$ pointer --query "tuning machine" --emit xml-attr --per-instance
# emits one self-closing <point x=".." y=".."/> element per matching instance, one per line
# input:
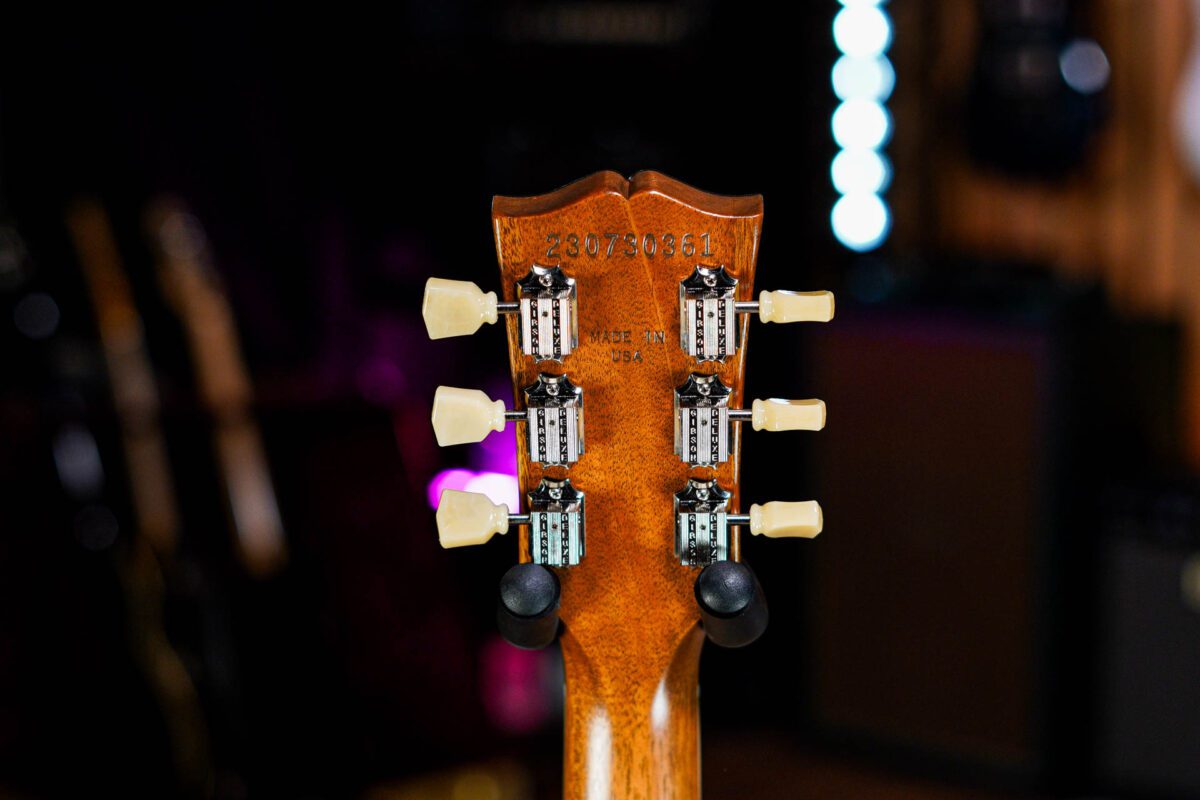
<point x="546" y="302"/>
<point x="704" y="420"/>
<point x="555" y="520"/>
<point x="553" y="418"/>
<point x="702" y="522"/>
<point x="708" y="310"/>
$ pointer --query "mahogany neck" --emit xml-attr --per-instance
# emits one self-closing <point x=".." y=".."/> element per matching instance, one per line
<point x="632" y="722"/>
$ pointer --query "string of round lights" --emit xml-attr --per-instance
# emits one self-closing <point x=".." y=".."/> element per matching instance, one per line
<point x="863" y="80"/>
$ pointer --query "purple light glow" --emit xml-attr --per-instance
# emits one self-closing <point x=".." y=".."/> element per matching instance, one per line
<point x="518" y="686"/>
<point x="447" y="479"/>
<point x="498" y="452"/>
<point x="498" y="486"/>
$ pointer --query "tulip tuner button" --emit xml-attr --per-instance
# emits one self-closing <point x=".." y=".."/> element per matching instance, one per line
<point x="703" y="419"/>
<point x="546" y="302"/>
<point x="708" y="309"/>
<point x="780" y="520"/>
<point x="553" y="418"/>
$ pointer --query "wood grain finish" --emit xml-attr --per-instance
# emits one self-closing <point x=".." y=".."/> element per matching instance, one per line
<point x="631" y="639"/>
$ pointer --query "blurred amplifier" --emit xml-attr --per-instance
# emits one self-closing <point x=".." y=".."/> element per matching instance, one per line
<point x="950" y="603"/>
<point x="1149" y="645"/>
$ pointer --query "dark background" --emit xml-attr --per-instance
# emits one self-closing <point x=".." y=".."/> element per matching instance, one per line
<point x="996" y="607"/>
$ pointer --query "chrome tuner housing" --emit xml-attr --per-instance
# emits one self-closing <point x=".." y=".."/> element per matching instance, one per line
<point x="554" y="420"/>
<point x="707" y="314"/>
<point x="549" y="314"/>
<point x="556" y="537"/>
<point x="701" y="524"/>
<point x="702" y="426"/>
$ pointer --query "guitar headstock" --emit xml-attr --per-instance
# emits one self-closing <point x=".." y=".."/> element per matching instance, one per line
<point x="628" y="307"/>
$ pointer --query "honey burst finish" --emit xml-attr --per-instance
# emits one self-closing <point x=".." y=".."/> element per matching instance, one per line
<point x="631" y="640"/>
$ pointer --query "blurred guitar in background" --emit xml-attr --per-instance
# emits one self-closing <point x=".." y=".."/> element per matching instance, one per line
<point x="193" y="289"/>
<point x="153" y="546"/>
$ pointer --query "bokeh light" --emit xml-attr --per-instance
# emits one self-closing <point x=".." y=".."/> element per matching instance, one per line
<point x="863" y="79"/>
<point x="861" y="170"/>
<point x="871" y="78"/>
<point x="862" y="30"/>
<point x="861" y="220"/>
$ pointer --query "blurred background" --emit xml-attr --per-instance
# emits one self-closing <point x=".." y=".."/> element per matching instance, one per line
<point x="219" y="574"/>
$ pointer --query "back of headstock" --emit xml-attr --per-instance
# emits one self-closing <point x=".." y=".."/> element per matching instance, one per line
<point x="628" y="306"/>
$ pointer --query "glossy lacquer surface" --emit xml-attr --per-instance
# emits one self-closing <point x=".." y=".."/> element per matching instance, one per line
<point x="631" y="640"/>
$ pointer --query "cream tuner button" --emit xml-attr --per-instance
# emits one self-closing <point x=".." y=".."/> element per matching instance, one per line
<point x="781" y="306"/>
<point x="456" y="308"/>
<point x="787" y="415"/>
<point x="469" y="518"/>
<point x="461" y="416"/>
<point x="786" y="520"/>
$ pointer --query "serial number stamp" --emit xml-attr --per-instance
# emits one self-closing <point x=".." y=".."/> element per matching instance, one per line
<point x="628" y="244"/>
